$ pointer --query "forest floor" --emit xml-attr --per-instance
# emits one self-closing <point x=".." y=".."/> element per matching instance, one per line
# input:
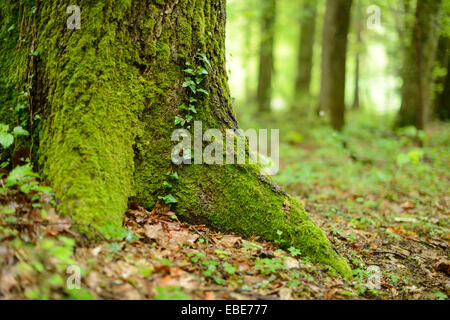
<point x="382" y="200"/>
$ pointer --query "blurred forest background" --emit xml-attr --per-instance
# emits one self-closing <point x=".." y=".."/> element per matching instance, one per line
<point x="360" y="92"/>
<point x="283" y="57"/>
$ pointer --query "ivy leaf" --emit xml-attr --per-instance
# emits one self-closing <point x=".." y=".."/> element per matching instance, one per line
<point x="4" y="128"/>
<point x="20" y="174"/>
<point x="190" y="71"/>
<point x="6" y="139"/>
<point x="20" y="106"/>
<point x="183" y="107"/>
<point x="168" y="199"/>
<point x="205" y="59"/>
<point x="191" y="84"/>
<point x="19" y="131"/>
<point x="179" y="120"/>
<point x="167" y="185"/>
<point x="189" y="118"/>
<point x="202" y="71"/>
<point x="203" y="91"/>
<point x="192" y="100"/>
<point x="192" y="108"/>
<point x="173" y="175"/>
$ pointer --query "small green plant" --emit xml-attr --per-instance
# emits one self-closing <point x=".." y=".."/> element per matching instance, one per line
<point x="266" y="265"/>
<point x="7" y="137"/>
<point x="168" y="199"/>
<point x="294" y="251"/>
<point x="439" y="295"/>
<point x="170" y="293"/>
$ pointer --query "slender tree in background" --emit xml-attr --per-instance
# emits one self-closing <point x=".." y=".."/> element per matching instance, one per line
<point x="107" y="95"/>
<point x="334" y="56"/>
<point x="247" y="47"/>
<point x="418" y="65"/>
<point x="358" y="27"/>
<point x="305" y="49"/>
<point x="266" y="55"/>
<point x="442" y="99"/>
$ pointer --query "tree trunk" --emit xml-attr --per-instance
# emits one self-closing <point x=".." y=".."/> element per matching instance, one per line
<point x="356" y="100"/>
<point x="334" y="53"/>
<point x="108" y="94"/>
<point x="306" y="49"/>
<point x="266" y="60"/>
<point x="247" y="52"/>
<point x="418" y="66"/>
<point x="442" y="102"/>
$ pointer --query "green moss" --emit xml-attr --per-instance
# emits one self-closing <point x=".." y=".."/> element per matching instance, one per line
<point x="229" y="198"/>
<point x="85" y="152"/>
<point x="234" y="198"/>
<point x="110" y="94"/>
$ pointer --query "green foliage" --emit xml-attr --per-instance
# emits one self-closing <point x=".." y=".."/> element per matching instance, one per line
<point x="168" y="199"/>
<point x="170" y="293"/>
<point x="266" y="265"/>
<point x="7" y="137"/>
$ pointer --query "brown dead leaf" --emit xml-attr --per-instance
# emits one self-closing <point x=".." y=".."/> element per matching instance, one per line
<point x="162" y="269"/>
<point x="285" y="294"/>
<point x="183" y="236"/>
<point x="7" y="281"/>
<point x="292" y="263"/>
<point x="160" y="208"/>
<point x="154" y="232"/>
<point x="330" y="294"/>
<point x="229" y="241"/>
<point x="444" y="266"/>
<point x="407" y="205"/>
<point x="126" y="292"/>
<point x="402" y="232"/>
<point x="210" y="296"/>
<point x="58" y="226"/>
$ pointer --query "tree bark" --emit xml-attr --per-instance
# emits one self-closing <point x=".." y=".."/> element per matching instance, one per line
<point x="442" y="102"/>
<point x="108" y="94"/>
<point x="418" y="66"/>
<point x="356" y="96"/>
<point x="266" y="58"/>
<point x="306" y="49"/>
<point x="334" y="53"/>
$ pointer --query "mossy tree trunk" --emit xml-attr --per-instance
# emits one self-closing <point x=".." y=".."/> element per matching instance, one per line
<point x="334" y="56"/>
<point x="108" y="94"/>
<point x="266" y="55"/>
<point x="305" y="50"/>
<point x="418" y="65"/>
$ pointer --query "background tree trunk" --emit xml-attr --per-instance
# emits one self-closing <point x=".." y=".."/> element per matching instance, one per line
<point x="334" y="52"/>
<point x="442" y="102"/>
<point x="108" y="95"/>
<point x="305" y="49"/>
<point x="266" y="59"/>
<point x="418" y="65"/>
<point x="356" y="95"/>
